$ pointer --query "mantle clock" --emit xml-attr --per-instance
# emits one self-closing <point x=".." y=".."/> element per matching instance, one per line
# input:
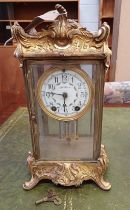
<point x="64" y="68"/>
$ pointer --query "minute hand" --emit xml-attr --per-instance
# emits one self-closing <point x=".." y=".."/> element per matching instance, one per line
<point x="64" y="97"/>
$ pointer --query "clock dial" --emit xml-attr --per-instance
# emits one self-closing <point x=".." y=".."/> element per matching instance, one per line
<point x="64" y="94"/>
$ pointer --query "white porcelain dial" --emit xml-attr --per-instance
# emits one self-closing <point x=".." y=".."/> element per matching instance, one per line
<point x="64" y="93"/>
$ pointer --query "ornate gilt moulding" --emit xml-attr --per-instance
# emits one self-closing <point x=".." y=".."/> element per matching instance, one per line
<point x="64" y="38"/>
<point x="68" y="173"/>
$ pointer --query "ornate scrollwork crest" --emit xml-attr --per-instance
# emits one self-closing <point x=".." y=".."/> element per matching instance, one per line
<point x="64" y="37"/>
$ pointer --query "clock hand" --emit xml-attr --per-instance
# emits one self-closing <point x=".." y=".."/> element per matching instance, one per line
<point x="64" y="104"/>
<point x="55" y="93"/>
<point x="64" y="97"/>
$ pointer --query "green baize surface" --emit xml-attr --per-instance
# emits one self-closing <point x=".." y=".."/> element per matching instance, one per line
<point x="15" y="142"/>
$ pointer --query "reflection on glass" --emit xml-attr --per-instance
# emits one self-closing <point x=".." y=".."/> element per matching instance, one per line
<point x="60" y="140"/>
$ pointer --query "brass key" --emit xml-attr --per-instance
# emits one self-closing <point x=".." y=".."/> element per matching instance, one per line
<point x="51" y="197"/>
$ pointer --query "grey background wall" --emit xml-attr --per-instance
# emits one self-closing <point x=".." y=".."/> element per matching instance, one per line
<point x="89" y="14"/>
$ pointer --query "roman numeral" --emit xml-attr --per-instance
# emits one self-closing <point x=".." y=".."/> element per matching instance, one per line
<point x="51" y="86"/>
<point x="56" y="79"/>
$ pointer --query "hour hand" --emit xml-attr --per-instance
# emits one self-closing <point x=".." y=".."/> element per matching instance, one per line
<point x="58" y="94"/>
<point x="55" y="93"/>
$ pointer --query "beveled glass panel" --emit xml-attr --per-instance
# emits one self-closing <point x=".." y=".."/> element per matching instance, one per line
<point x="73" y="140"/>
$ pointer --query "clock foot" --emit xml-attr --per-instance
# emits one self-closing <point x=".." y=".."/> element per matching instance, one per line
<point x="30" y="184"/>
<point x="34" y="180"/>
<point x="103" y="184"/>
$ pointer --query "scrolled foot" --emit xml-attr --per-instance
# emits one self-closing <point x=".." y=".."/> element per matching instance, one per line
<point x="103" y="184"/>
<point x="31" y="184"/>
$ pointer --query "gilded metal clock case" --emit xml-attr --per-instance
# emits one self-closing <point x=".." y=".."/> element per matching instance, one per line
<point x="64" y="40"/>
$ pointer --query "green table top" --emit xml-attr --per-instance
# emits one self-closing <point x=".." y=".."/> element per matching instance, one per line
<point x="15" y="142"/>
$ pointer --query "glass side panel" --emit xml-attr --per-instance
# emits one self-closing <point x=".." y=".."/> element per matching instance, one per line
<point x="60" y="140"/>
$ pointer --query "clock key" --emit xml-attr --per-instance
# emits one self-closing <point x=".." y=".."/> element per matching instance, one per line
<point x="50" y="197"/>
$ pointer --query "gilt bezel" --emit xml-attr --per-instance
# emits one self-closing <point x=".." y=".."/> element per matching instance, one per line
<point x="53" y="69"/>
